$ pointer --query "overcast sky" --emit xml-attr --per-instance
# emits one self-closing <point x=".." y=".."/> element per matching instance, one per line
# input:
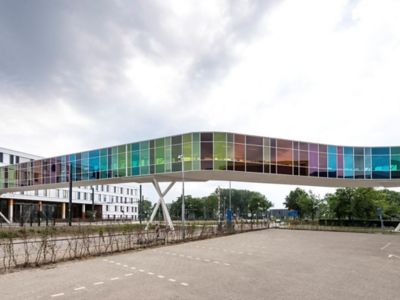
<point x="78" y="75"/>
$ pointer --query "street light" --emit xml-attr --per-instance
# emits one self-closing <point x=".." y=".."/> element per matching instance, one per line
<point x="180" y="157"/>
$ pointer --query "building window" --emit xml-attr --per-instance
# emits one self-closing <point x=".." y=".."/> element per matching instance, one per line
<point x="11" y="159"/>
<point x="1" y="157"/>
<point x="107" y="207"/>
<point x="17" y="159"/>
<point x="115" y="189"/>
<point x="79" y="196"/>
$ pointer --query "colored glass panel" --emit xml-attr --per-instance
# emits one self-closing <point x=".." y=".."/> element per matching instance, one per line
<point x="348" y="161"/>
<point x="332" y="161"/>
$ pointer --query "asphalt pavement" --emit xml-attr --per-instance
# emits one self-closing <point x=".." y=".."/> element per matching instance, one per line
<point x="267" y="264"/>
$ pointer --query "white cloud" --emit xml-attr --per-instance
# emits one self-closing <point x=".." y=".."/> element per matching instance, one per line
<point x="320" y="71"/>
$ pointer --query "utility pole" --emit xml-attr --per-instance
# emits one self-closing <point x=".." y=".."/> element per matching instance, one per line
<point x="70" y="196"/>
<point x="92" y="196"/>
<point x="183" y="195"/>
<point x="219" y="208"/>
<point x="140" y="204"/>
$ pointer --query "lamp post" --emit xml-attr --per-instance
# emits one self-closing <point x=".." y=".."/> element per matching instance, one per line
<point x="183" y="195"/>
<point x="92" y="196"/>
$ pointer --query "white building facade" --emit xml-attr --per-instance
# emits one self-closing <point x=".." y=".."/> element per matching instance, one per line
<point x="110" y="202"/>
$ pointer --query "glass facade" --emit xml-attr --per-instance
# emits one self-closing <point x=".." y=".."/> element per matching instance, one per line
<point x="218" y="151"/>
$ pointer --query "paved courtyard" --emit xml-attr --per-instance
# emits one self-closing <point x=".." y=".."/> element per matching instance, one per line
<point x="268" y="264"/>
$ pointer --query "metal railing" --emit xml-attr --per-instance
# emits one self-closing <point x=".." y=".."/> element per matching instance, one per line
<point x="47" y="248"/>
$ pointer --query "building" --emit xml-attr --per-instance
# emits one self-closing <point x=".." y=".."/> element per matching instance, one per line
<point x="203" y="156"/>
<point x="110" y="201"/>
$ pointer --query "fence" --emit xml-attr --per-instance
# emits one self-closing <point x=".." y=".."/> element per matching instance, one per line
<point x="28" y="252"/>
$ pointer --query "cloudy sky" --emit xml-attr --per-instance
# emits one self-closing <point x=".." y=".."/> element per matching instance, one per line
<point x="77" y="75"/>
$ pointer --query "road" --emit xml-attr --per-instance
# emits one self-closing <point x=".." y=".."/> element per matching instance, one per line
<point x="279" y="264"/>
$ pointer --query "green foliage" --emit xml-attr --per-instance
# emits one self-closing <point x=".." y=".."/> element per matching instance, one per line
<point x="206" y="208"/>
<point x="345" y="204"/>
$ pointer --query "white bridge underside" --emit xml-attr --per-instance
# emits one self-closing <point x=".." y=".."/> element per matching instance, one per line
<point x="204" y="175"/>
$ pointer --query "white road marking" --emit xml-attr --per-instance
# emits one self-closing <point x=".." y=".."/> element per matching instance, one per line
<point x="392" y="255"/>
<point x="387" y="245"/>
<point x="197" y="258"/>
<point x="79" y="288"/>
<point x="57" y="295"/>
<point x="150" y="273"/>
<point x="172" y="280"/>
<point x="160" y="276"/>
<point x="181" y="255"/>
<point x="216" y="262"/>
<point x="105" y="259"/>
<point x="125" y="266"/>
<point x="184" y="284"/>
<point x="206" y="260"/>
<point x="111" y="261"/>
<point x="141" y="270"/>
<point x="133" y="268"/>
<point x="98" y="283"/>
<point x="129" y="274"/>
<point x="114" y="278"/>
<point x="226" y="264"/>
<point x="118" y="264"/>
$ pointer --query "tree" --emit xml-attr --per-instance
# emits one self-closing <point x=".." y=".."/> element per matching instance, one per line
<point x="146" y="209"/>
<point x="258" y="203"/>
<point x="300" y="201"/>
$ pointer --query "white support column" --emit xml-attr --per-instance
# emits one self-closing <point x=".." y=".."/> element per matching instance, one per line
<point x="161" y="203"/>
<point x="63" y="210"/>
<point x="11" y="210"/>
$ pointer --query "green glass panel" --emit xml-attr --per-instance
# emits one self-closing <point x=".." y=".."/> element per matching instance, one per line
<point x="176" y="152"/>
<point x="159" y="143"/>
<point x="167" y="162"/>
<point x="395" y="163"/>
<point x="187" y="138"/>
<point x="395" y="150"/>
<point x="144" y="145"/>
<point x="160" y="169"/>
<point x="196" y="165"/>
<point x="167" y="142"/>
<point x="220" y="149"/>
<point x="128" y="159"/>
<point x="230" y="137"/>
<point x="135" y="159"/>
<point x="219" y="137"/>
<point x="219" y="165"/>
<point x="187" y="152"/>
<point x="160" y="155"/>
<point x="122" y="161"/>
<point x="196" y="137"/>
<point x="144" y="170"/>
<point x="144" y="156"/>
<point x="114" y="161"/>
<point x="85" y="165"/>
<point x="196" y="151"/>
<point x="187" y="166"/>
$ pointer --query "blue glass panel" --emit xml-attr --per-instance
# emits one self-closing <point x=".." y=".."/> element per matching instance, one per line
<point x="332" y="161"/>
<point x="94" y="166"/>
<point x="85" y="166"/>
<point x="380" y="151"/>
<point x="367" y="163"/>
<point x="135" y="147"/>
<point x="348" y="162"/>
<point x="380" y="166"/>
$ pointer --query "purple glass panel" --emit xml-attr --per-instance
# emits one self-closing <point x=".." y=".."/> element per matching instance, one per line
<point x="254" y="140"/>
<point x="313" y="163"/>
<point x="322" y="148"/>
<point x="314" y="147"/>
<point x="340" y="162"/>
<point x="284" y="144"/>
<point x="304" y="147"/>
<point x="239" y="138"/>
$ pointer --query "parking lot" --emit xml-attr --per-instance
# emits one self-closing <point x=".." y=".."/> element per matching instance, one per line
<point x="275" y="263"/>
